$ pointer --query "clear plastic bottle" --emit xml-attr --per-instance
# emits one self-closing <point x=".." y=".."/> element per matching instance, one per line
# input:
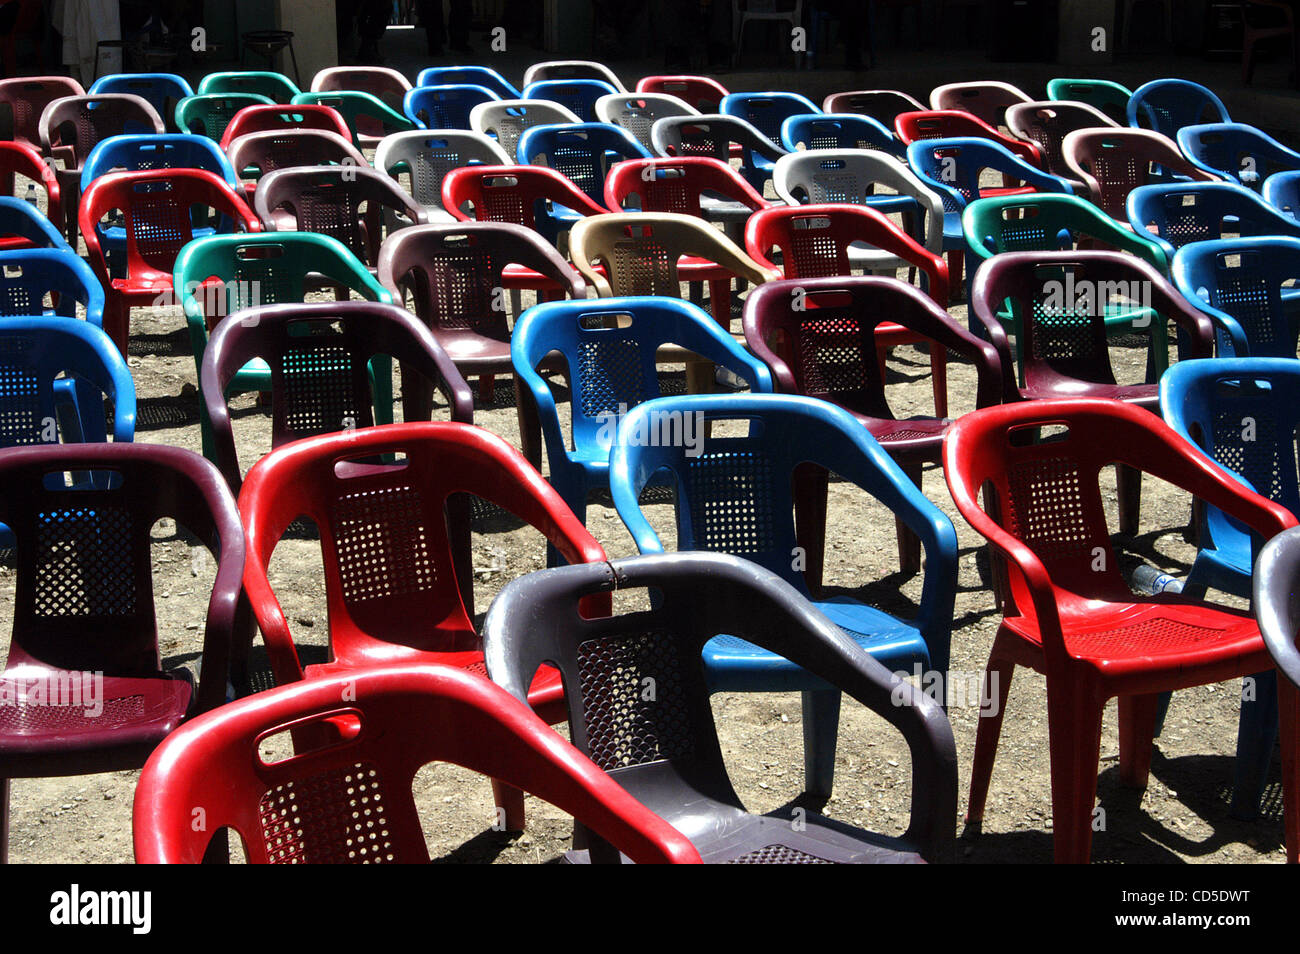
<point x="1150" y="580"/>
<point x="31" y="194"/>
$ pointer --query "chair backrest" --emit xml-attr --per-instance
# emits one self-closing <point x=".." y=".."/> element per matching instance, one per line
<point x="31" y="276"/>
<point x="1114" y="162"/>
<point x="399" y="720"/>
<point x="1243" y="414"/>
<point x="427" y="156"/>
<point x="275" y="117"/>
<point x="638" y="252"/>
<point x="713" y="136"/>
<point x="815" y="241"/>
<point x="987" y="100"/>
<point x="21" y="159"/>
<point x="582" y="153"/>
<point x="210" y="114"/>
<point x="1243" y="284"/>
<point x="84" y="593"/>
<point x="445" y="107"/>
<point x="1107" y="97"/>
<point x="505" y="121"/>
<point x="820" y="341"/>
<point x="156" y="208"/>
<point x="168" y="151"/>
<point x="699" y="92"/>
<point x="1167" y="105"/>
<point x="81" y="122"/>
<point x="767" y="111"/>
<point x="637" y="112"/>
<point x="609" y="347"/>
<point x="675" y="185"/>
<point x="1061" y="300"/>
<point x="255" y="154"/>
<point x="521" y="195"/>
<point x="24" y="99"/>
<point x="573" y="70"/>
<point x="475" y="75"/>
<point x="162" y="90"/>
<point x="318" y="355"/>
<point x="1177" y="214"/>
<point x="274" y="86"/>
<point x="882" y="105"/>
<point x="366" y="115"/>
<point x="20" y="219"/>
<point x="1236" y="152"/>
<point x="1047" y="124"/>
<point x="1282" y="191"/>
<point x="386" y="548"/>
<point x="350" y="204"/>
<point x="838" y="131"/>
<point x="36" y="352"/>
<point x="952" y="123"/>
<point x="953" y="168"/>
<point x="454" y="273"/>
<point x="850" y="176"/>
<point x="1274" y="584"/>
<point x="579" y="96"/>
<point x="388" y="85"/>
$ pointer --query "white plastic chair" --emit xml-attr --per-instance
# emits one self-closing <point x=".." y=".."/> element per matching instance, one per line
<point x="572" y="69"/>
<point x="428" y="155"/>
<point x="637" y="112"/>
<point x="506" y="120"/>
<point x="988" y="100"/>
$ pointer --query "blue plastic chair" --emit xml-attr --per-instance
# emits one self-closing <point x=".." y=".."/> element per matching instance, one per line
<point x="577" y="95"/>
<point x="952" y="167"/>
<point x="839" y="131"/>
<point x="1282" y="191"/>
<point x="581" y="152"/>
<point x="1242" y="413"/>
<point x="1240" y="284"/>
<point x="1237" y="152"/>
<point x="1178" y="213"/>
<point x="735" y="495"/>
<point x="766" y="111"/>
<point x="611" y="369"/>
<point x="162" y="90"/>
<point x="28" y="275"/>
<point x="19" y="217"/>
<point x="445" y="107"/>
<point x="475" y="75"/>
<point x="1167" y="105"/>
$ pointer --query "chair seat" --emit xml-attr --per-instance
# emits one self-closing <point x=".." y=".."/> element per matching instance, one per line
<point x="1142" y="395"/>
<point x="914" y="438"/>
<point x="724" y="210"/>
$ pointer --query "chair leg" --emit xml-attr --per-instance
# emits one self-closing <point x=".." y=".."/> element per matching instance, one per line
<point x="530" y="427"/>
<point x="486" y="387"/>
<point x="821" y="725"/>
<point x="810" y="488"/>
<point x="909" y="544"/>
<point x="939" y="378"/>
<point x="1256" y="733"/>
<point x="510" y="805"/>
<point x="1288" y="722"/>
<point x="1074" y="730"/>
<point x="4" y="821"/>
<point x="1128" y="486"/>
<point x="997" y="687"/>
<point x="1137" y="719"/>
<point x="956" y="268"/>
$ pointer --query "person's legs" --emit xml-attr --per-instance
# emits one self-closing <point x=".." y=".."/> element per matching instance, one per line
<point x="372" y="20"/>
<point x="458" y="26"/>
<point x="430" y="13"/>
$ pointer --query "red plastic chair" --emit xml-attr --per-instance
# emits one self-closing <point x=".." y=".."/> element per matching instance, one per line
<point x="1070" y="615"/>
<point x="84" y="607"/>
<point x="16" y="158"/>
<point x="393" y="580"/>
<point x="814" y="241"/>
<point x="693" y="185"/>
<point x="948" y="123"/>
<point x="814" y="334"/>
<point x="277" y="118"/>
<point x="351" y="802"/>
<point x="25" y="98"/>
<point x="699" y="91"/>
<point x="156" y="206"/>
<point x="514" y="194"/>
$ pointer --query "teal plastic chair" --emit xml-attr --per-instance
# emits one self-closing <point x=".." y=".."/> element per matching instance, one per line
<point x="274" y="86"/>
<point x="369" y="117"/>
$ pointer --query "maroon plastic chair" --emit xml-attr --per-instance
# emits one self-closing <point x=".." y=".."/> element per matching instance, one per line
<point x="1063" y="345"/>
<point x="25" y="98"/>
<point x="880" y="104"/>
<point x="387" y="85"/>
<point x="256" y="154"/>
<point x="72" y="126"/>
<point x="395" y="721"/>
<point x="319" y="354"/>
<point x="353" y="204"/>
<point x="818" y="336"/>
<point x="988" y="100"/>
<point x="455" y="274"/>
<point x="1047" y="123"/>
<point x="17" y="158"/>
<point x="278" y="118"/>
<point x="700" y="92"/>
<point x="949" y="123"/>
<point x="84" y="609"/>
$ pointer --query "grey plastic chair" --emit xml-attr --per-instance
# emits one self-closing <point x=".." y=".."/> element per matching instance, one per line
<point x="427" y="155"/>
<point x="1048" y="122"/>
<point x="506" y="120"/>
<point x="663" y="748"/>
<point x="712" y="135"/>
<point x="637" y="112"/>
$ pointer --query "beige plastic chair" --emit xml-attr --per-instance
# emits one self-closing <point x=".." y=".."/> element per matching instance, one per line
<point x="505" y="120"/>
<point x="1114" y="162"/>
<point x="639" y="253"/>
<point x="987" y="100"/>
<point x="388" y="85"/>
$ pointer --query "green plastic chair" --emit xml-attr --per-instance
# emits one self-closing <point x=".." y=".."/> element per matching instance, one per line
<point x="1048" y="222"/>
<point x="266" y="269"/>
<point x="274" y="86"/>
<point x="1111" y="98"/>
<point x="210" y="113"/>
<point x="369" y="117"/>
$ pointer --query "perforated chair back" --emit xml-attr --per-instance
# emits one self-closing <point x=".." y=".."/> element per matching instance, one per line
<point x="691" y="186"/>
<point x="521" y="195"/>
<point x="573" y="70"/>
<point x="1048" y="123"/>
<point x="209" y="115"/>
<point x="426" y="158"/>
<point x="445" y="107"/>
<point x="1236" y="152"/>
<point x="279" y="118"/>
<point x="162" y="90"/>
<point x="24" y="99"/>
<point x="1182" y="213"/>
<point x="882" y="105"/>
<point x="30" y="277"/>
<point x="1167" y="105"/>
<point x="473" y="75"/>
<point x="1114" y="162"/>
<point x="90" y="120"/>
<point x="637" y="112"/>
<point x="838" y="131"/>
<point x="699" y="92"/>
<point x="767" y="111"/>
<point x="579" y="96"/>
<point x="386" y="84"/>
<point x="582" y="153"/>
<point x="987" y="100"/>
<point x="255" y="154"/>
<point x="952" y="123"/>
<point x="952" y="168"/>
<point x="274" y="86"/>
<point x="369" y="117"/>
<point x="1105" y="96"/>
<point x="713" y="137"/>
<point x="167" y="151"/>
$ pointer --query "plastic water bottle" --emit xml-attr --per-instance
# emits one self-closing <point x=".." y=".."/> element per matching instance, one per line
<point x="31" y="194"/>
<point x="1150" y="580"/>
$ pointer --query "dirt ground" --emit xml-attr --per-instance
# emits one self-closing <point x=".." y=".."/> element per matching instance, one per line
<point x="1182" y="815"/>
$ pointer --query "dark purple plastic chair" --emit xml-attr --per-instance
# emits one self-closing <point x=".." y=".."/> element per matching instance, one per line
<point x="84" y="605"/>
